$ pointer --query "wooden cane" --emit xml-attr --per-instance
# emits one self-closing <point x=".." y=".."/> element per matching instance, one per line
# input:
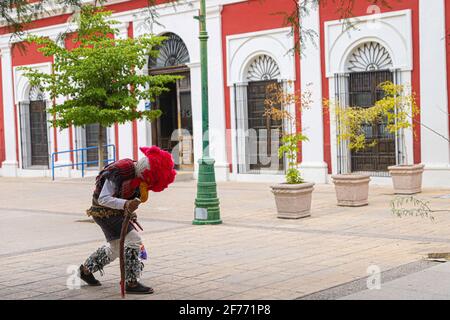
<point x="123" y="234"/>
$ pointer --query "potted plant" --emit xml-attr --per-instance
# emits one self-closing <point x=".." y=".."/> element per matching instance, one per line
<point x="293" y="197"/>
<point x="400" y="107"/>
<point x="352" y="189"/>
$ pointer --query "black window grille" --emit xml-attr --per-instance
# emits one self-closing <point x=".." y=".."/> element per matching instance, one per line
<point x="362" y="89"/>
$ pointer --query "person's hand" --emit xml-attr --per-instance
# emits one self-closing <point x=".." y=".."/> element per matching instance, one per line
<point x="132" y="205"/>
<point x="133" y="216"/>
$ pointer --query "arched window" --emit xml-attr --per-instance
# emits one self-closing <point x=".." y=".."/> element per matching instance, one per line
<point x="36" y="94"/>
<point x="172" y="53"/>
<point x="263" y="68"/>
<point x="34" y="129"/>
<point x="369" y="65"/>
<point x="370" y="56"/>
<point x="258" y="147"/>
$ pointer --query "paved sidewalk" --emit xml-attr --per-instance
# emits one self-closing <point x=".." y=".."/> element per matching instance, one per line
<point x="252" y="255"/>
<point x="430" y="284"/>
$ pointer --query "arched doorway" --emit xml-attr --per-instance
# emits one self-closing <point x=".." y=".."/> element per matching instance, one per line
<point x="34" y="130"/>
<point x="369" y="65"/>
<point x="258" y="136"/>
<point x="173" y="131"/>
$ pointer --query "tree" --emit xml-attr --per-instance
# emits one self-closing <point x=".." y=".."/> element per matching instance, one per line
<point x="276" y="107"/>
<point x="98" y="77"/>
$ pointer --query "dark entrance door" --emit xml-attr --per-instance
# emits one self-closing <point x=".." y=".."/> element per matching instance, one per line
<point x="176" y="115"/>
<point x="38" y="134"/>
<point x="92" y="131"/>
<point x="167" y="122"/>
<point x="364" y="91"/>
<point x="262" y="149"/>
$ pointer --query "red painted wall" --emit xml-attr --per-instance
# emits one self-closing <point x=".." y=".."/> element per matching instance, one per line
<point x="329" y="12"/>
<point x="119" y="7"/>
<point x="252" y="16"/>
<point x="26" y="54"/>
<point x="2" y="123"/>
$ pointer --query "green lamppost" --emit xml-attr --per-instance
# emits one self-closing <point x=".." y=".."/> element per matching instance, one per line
<point x="207" y="209"/>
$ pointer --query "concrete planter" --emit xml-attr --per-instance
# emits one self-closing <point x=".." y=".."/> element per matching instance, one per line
<point x="293" y="200"/>
<point x="352" y="190"/>
<point x="407" y="179"/>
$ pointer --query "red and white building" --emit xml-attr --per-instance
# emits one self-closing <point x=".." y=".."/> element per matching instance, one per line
<point x="250" y="47"/>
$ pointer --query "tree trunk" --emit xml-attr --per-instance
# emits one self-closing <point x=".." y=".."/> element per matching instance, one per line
<point x="101" y="149"/>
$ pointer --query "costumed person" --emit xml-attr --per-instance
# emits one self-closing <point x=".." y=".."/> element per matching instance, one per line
<point x="119" y="189"/>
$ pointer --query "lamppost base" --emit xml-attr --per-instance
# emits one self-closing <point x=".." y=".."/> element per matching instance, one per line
<point x="206" y="222"/>
<point x="207" y="210"/>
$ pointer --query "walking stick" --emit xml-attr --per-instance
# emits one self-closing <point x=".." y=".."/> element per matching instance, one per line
<point x="123" y="234"/>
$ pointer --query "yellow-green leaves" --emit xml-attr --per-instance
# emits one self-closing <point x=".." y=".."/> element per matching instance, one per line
<point x="397" y="109"/>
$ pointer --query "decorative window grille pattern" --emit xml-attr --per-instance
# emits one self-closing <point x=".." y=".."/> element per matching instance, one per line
<point x="173" y="52"/>
<point x="370" y="56"/>
<point x="36" y="94"/>
<point x="263" y="68"/>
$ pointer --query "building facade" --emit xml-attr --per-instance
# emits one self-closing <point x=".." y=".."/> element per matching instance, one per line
<point x="250" y="48"/>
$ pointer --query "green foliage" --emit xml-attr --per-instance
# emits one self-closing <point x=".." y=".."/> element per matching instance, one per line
<point x="397" y="109"/>
<point x="290" y="148"/>
<point x="98" y="77"/>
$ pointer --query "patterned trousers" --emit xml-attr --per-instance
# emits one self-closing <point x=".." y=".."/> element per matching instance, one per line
<point x="111" y="251"/>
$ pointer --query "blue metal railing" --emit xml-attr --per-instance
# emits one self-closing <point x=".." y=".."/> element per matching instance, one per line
<point x="83" y="163"/>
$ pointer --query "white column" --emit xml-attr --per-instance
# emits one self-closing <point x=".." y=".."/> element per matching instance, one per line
<point x="196" y="100"/>
<point x="144" y="130"/>
<point x="144" y="137"/>
<point x="433" y="95"/>
<point x="313" y="166"/>
<point x="217" y="125"/>
<point x="9" y="166"/>
<point x="125" y="130"/>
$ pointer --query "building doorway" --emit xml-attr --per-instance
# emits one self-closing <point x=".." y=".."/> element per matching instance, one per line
<point x="258" y="137"/>
<point x="38" y="133"/>
<point x="34" y="130"/>
<point x="266" y="131"/>
<point x="173" y="131"/>
<point x="364" y="91"/>
<point x="368" y="66"/>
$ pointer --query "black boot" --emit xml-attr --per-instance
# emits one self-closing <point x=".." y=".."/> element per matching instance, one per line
<point x="137" y="288"/>
<point x="89" y="278"/>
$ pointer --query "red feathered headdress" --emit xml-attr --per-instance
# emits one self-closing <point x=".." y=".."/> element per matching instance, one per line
<point x="161" y="172"/>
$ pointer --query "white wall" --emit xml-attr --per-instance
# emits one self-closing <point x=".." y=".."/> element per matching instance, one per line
<point x="433" y="97"/>
<point x="9" y="166"/>
<point x="313" y="166"/>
